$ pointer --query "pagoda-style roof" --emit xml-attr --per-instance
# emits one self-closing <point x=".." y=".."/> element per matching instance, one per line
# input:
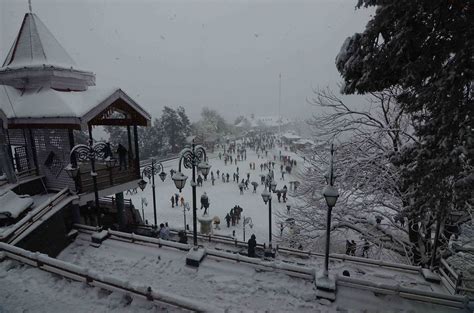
<point x="37" y="59"/>
<point x="41" y="87"/>
<point x="49" y="108"/>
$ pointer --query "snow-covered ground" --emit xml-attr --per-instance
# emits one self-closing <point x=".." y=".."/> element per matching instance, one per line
<point x="222" y="196"/>
<point x="26" y="289"/>
<point x="226" y="285"/>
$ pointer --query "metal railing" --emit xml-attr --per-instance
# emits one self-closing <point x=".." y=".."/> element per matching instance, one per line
<point x="453" y="281"/>
<point x="91" y="277"/>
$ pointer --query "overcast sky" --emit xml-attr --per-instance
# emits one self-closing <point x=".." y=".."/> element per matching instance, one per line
<point x="226" y="55"/>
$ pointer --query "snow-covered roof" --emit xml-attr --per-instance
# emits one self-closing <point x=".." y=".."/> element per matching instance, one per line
<point x="13" y="205"/>
<point x="304" y="142"/>
<point x="265" y="121"/>
<point x="36" y="45"/>
<point x="290" y="136"/>
<point x="36" y="58"/>
<point x="49" y="106"/>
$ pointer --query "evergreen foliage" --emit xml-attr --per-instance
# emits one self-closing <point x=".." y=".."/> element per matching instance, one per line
<point x="425" y="48"/>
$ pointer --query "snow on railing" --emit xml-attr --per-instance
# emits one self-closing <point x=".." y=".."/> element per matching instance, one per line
<point x="404" y="292"/>
<point x="92" y="277"/>
<point x="308" y="272"/>
<point x="33" y="216"/>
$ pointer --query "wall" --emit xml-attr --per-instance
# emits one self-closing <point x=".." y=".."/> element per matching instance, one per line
<point x="50" y="237"/>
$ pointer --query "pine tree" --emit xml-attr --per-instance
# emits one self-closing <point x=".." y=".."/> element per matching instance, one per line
<point x="425" y="48"/>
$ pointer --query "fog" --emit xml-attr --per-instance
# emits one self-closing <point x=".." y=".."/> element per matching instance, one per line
<point x="226" y="55"/>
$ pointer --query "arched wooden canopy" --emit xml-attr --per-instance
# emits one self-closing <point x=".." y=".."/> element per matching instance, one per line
<point x="72" y="110"/>
<point x="118" y="110"/>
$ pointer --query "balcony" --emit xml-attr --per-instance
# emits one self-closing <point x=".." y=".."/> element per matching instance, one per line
<point x="106" y="177"/>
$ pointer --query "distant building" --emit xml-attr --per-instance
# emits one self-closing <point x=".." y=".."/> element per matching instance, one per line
<point x="264" y="123"/>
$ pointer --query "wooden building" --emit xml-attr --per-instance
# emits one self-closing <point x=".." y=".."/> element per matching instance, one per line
<point x="48" y="105"/>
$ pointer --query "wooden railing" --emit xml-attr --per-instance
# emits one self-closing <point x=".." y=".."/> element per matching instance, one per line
<point x="106" y="177"/>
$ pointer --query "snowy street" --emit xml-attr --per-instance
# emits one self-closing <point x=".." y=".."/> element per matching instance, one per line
<point x="222" y="196"/>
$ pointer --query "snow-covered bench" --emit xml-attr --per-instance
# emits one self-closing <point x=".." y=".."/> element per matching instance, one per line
<point x="12" y="205"/>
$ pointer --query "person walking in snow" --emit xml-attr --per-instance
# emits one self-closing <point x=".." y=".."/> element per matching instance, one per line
<point x="227" y="219"/>
<point x="227" y="176"/>
<point x="176" y="199"/>
<point x="204" y="202"/>
<point x="365" y="249"/>
<point x="164" y="232"/>
<point x="232" y="216"/>
<point x="278" y="192"/>
<point x="252" y="243"/>
<point x="122" y="153"/>
<point x="172" y="201"/>
<point x="199" y="181"/>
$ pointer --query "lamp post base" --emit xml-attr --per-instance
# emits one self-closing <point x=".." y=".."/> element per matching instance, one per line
<point x="195" y="256"/>
<point x="430" y="276"/>
<point x="325" y="286"/>
<point x="269" y="253"/>
<point x="206" y="224"/>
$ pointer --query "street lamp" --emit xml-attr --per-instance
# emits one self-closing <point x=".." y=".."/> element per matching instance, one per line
<point x="149" y="171"/>
<point x="247" y="221"/>
<point x="330" y="194"/>
<point x="89" y="152"/>
<point x="192" y="158"/>
<point x="267" y="198"/>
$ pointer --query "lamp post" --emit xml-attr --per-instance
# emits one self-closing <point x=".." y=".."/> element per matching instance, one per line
<point x="89" y="152"/>
<point x="149" y="171"/>
<point x="192" y="158"/>
<point x="330" y="194"/>
<point x="267" y="198"/>
<point x="247" y="221"/>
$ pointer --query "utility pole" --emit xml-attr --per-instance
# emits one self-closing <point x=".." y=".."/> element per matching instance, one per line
<point x="279" y="106"/>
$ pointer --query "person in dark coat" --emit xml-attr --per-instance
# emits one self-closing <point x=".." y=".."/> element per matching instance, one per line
<point x="199" y="180"/>
<point x="252" y="243"/>
<point x="204" y="202"/>
<point x="172" y="201"/>
<point x="122" y="153"/>
<point x="278" y="192"/>
<point x="227" y="219"/>
<point x="182" y="237"/>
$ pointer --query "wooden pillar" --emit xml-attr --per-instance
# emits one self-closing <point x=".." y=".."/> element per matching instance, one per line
<point x="33" y="151"/>
<point x="120" y="205"/>
<point x="77" y="179"/>
<point x="130" y="149"/>
<point x="137" y="155"/>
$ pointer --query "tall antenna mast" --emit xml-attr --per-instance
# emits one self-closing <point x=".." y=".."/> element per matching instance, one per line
<point x="279" y="106"/>
<point x="29" y="6"/>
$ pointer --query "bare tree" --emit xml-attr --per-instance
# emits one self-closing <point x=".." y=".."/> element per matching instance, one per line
<point x="371" y="202"/>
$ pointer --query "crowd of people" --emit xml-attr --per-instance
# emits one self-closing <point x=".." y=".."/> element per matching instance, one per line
<point x="235" y="153"/>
